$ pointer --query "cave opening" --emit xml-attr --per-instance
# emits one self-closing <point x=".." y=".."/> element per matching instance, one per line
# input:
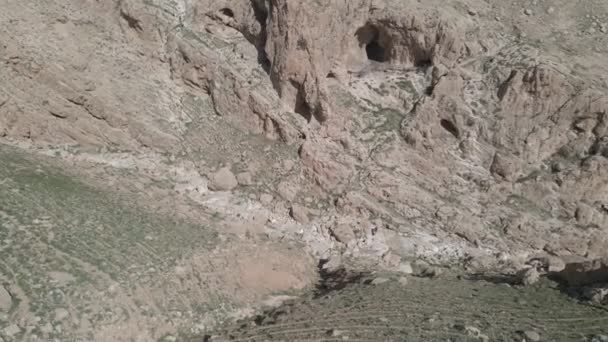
<point x="370" y="37"/>
<point x="301" y="106"/>
<point x="227" y="12"/>
<point x="375" y="52"/>
<point x="261" y="15"/>
<point x="423" y="63"/>
<point x="450" y="127"/>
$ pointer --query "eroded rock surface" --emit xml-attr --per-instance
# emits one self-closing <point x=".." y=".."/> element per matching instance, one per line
<point x="376" y="130"/>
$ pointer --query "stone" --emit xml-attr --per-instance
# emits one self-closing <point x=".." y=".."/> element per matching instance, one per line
<point x="473" y="332"/>
<point x="531" y="336"/>
<point x="600" y="338"/>
<point x="6" y="300"/>
<point x="287" y="191"/>
<point x="547" y="264"/>
<point x="12" y="330"/>
<point x="299" y="213"/>
<point x="333" y="263"/>
<point x="431" y="272"/>
<point x="584" y="214"/>
<point x="391" y="259"/>
<point x="223" y="180"/>
<point x="245" y="178"/>
<point x="61" y="314"/>
<point x="335" y="332"/>
<point x="403" y="281"/>
<point x="528" y="276"/>
<point x="504" y="166"/>
<point x="405" y="267"/>
<point x="266" y="199"/>
<point x="46" y="328"/>
<point x="343" y="233"/>
<point x="379" y="281"/>
<point x="528" y="11"/>
<point x="596" y="294"/>
<point x="555" y="264"/>
<point x="288" y="165"/>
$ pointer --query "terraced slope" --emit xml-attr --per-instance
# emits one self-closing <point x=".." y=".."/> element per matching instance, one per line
<point x="445" y="309"/>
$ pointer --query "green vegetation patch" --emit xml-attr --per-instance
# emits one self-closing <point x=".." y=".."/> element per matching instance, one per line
<point x="63" y="242"/>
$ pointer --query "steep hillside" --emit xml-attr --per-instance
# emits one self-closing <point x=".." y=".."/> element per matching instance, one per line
<point x="176" y="164"/>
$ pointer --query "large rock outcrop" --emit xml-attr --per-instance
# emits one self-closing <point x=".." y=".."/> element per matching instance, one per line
<point x="409" y="121"/>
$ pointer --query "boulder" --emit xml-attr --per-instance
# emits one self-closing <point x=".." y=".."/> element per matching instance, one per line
<point x="223" y="180"/>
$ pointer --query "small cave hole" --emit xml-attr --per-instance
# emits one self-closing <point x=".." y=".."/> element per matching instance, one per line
<point x="260" y="11"/>
<point x="303" y="109"/>
<point x="264" y="61"/>
<point x="331" y="75"/>
<point x="375" y="52"/>
<point x="259" y="41"/>
<point x="369" y="36"/>
<point x="227" y="12"/>
<point x="301" y="106"/>
<point x="450" y="127"/>
<point x="424" y="63"/>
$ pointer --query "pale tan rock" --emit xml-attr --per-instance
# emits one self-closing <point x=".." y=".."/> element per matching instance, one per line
<point x="12" y="330"/>
<point x="391" y="259"/>
<point x="61" y="314"/>
<point x="549" y="264"/>
<point x="287" y="190"/>
<point x="380" y="281"/>
<point x="405" y="267"/>
<point x="266" y="198"/>
<point x="343" y="233"/>
<point x="245" y="178"/>
<point x="300" y="214"/>
<point x="584" y="214"/>
<point x="504" y="167"/>
<point x="528" y="276"/>
<point x="223" y="180"/>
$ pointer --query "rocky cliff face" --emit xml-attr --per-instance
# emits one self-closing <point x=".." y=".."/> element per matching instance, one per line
<point x="478" y="139"/>
<point x="473" y="132"/>
<point x="409" y="119"/>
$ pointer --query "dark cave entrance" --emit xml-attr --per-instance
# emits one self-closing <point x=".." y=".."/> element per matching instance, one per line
<point x="370" y="37"/>
<point x="227" y="12"/>
<point x="375" y="52"/>
<point x="450" y="127"/>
